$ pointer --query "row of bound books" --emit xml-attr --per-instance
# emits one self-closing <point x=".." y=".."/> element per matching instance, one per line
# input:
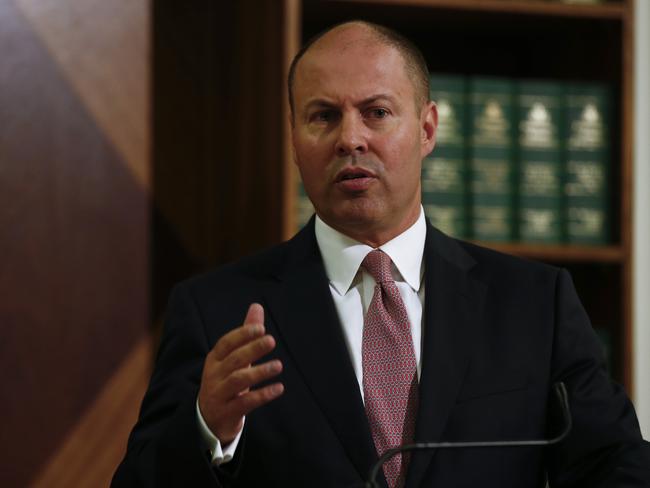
<point x="519" y="160"/>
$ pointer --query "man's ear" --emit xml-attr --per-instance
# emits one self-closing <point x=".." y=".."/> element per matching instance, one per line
<point x="292" y="131"/>
<point x="429" y="126"/>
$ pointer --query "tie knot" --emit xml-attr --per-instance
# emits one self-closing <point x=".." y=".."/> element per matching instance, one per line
<point x="377" y="263"/>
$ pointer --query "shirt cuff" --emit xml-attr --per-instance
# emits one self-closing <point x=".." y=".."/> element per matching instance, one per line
<point x="218" y="455"/>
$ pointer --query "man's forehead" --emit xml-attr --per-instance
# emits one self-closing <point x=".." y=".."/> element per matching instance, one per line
<point x="354" y="74"/>
<point x="335" y="56"/>
<point x="351" y="53"/>
<point x="349" y="64"/>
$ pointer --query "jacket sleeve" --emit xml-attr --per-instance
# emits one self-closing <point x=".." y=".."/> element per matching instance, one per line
<point x="605" y="448"/>
<point x="165" y="448"/>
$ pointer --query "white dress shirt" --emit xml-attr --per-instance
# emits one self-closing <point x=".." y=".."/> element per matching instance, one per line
<point x="352" y="288"/>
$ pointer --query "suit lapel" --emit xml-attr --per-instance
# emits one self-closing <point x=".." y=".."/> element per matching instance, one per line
<point x="303" y="309"/>
<point x="306" y="317"/>
<point x="452" y="306"/>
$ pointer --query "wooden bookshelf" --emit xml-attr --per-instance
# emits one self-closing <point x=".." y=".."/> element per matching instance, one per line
<point x="223" y="175"/>
<point x="612" y="10"/>
<point x="519" y="39"/>
<point x="559" y="253"/>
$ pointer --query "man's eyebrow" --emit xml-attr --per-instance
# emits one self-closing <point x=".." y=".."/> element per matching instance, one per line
<point x="322" y="103"/>
<point x="375" y="98"/>
<point x="319" y="103"/>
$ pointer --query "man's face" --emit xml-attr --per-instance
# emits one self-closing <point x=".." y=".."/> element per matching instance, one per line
<point x="358" y="137"/>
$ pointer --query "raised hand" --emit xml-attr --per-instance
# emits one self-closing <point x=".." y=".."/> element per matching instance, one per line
<point x="226" y="393"/>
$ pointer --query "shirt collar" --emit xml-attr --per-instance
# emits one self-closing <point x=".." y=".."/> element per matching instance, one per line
<point x="342" y="255"/>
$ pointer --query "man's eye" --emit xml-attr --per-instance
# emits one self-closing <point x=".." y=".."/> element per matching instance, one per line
<point x="324" y="116"/>
<point x="378" y="113"/>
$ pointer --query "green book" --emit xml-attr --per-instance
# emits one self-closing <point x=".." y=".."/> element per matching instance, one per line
<point x="491" y="159"/>
<point x="587" y="155"/>
<point x="540" y="168"/>
<point x="444" y="192"/>
<point x="304" y="207"/>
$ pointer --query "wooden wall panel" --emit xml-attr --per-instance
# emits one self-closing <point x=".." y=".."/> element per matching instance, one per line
<point x="87" y="457"/>
<point x="102" y="50"/>
<point x="74" y="213"/>
<point x="95" y="195"/>
<point x="218" y="176"/>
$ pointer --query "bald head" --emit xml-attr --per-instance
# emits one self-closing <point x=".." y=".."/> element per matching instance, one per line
<point x="356" y="32"/>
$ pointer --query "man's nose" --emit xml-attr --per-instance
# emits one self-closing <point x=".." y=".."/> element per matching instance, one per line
<point x="351" y="138"/>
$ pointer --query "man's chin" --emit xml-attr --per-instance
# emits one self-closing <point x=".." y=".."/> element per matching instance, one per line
<point x="359" y="224"/>
<point x="368" y="222"/>
<point x="356" y="217"/>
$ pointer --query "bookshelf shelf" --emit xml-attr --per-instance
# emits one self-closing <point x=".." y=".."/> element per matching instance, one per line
<point x="614" y="10"/>
<point x="248" y="192"/>
<point x="564" y="254"/>
<point x="519" y="40"/>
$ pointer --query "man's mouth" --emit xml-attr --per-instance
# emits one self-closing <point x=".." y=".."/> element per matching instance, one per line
<point x="354" y="180"/>
<point x="353" y="174"/>
<point x="353" y="177"/>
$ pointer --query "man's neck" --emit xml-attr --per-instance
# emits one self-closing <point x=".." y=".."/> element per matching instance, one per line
<point x="376" y="237"/>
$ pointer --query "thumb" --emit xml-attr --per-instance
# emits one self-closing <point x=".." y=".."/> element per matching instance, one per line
<point x="255" y="315"/>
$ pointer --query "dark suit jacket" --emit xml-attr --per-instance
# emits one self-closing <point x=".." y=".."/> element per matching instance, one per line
<point x="497" y="333"/>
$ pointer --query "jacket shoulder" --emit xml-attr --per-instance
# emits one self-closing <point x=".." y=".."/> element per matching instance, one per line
<point x="491" y="266"/>
<point x="245" y="278"/>
<point x="259" y="267"/>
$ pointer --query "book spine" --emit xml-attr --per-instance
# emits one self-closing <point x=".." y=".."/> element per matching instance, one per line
<point x="491" y="159"/>
<point x="444" y="190"/>
<point x="540" y="168"/>
<point x="587" y="155"/>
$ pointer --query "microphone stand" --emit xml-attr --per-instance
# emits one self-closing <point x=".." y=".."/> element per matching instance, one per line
<point x="563" y="397"/>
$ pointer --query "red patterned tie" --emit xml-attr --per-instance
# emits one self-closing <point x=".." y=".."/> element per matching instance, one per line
<point x="389" y="369"/>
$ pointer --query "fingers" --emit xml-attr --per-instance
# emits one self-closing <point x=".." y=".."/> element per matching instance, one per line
<point x="229" y="375"/>
<point x="229" y="363"/>
<point x="244" y="379"/>
<point x="253" y="399"/>
<point x="255" y="314"/>
<point x="247" y="354"/>
<point x="252" y="329"/>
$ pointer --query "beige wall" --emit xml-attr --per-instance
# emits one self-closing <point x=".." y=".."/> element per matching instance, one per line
<point x="641" y="217"/>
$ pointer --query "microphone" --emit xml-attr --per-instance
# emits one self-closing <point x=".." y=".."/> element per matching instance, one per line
<point x="563" y="398"/>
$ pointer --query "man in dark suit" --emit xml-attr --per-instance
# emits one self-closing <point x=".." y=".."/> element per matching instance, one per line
<point x="287" y="398"/>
